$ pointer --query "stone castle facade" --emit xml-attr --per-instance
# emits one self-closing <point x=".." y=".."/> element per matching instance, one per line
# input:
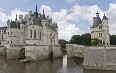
<point x="100" y="29"/>
<point x="35" y="33"/>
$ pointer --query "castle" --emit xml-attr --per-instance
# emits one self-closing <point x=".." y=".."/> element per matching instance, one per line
<point x="34" y="33"/>
<point x="100" y="29"/>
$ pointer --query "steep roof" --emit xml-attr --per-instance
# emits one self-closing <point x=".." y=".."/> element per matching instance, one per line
<point x="104" y="17"/>
<point x="97" y="21"/>
<point x="13" y="24"/>
<point x="3" y="28"/>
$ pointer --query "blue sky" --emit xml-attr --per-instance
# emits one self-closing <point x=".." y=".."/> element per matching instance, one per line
<point x="69" y="9"/>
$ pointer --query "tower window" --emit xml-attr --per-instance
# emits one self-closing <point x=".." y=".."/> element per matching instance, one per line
<point x="2" y="36"/>
<point x="8" y="33"/>
<point x="11" y="33"/>
<point x="0" y="43"/>
<point x="11" y="42"/>
<point x="31" y="33"/>
<point x="35" y="33"/>
<point x="101" y="34"/>
<point x="40" y="34"/>
<point x="100" y="27"/>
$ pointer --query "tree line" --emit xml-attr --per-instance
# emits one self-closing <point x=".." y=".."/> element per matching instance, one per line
<point x="85" y="39"/>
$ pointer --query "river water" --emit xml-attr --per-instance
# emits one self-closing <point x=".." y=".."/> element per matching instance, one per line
<point x="61" y="65"/>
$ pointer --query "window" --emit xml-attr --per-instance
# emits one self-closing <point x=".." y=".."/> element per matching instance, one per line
<point x="101" y="34"/>
<point x="2" y="36"/>
<point x="11" y="33"/>
<point x="40" y="34"/>
<point x="50" y="34"/>
<point x="22" y="26"/>
<point x="8" y="42"/>
<point x="22" y="32"/>
<point x="0" y="43"/>
<point x="11" y="42"/>
<point x="54" y="41"/>
<point x="35" y="34"/>
<point x="31" y="33"/>
<point x="51" y="42"/>
<point x="100" y="27"/>
<point x="8" y="33"/>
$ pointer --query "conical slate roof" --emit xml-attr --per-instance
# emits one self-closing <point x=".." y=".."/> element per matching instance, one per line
<point x="104" y="17"/>
<point x="97" y="21"/>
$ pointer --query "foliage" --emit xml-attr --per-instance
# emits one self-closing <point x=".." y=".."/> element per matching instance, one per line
<point x="62" y="42"/>
<point x="84" y="39"/>
<point x="95" y="42"/>
<point x="113" y="39"/>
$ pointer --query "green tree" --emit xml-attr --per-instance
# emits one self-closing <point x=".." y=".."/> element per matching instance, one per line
<point x="113" y="39"/>
<point x="95" y="42"/>
<point x="84" y="39"/>
<point x="62" y="42"/>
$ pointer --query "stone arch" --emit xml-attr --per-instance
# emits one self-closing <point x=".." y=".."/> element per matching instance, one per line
<point x="51" y="55"/>
<point x="21" y="53"/>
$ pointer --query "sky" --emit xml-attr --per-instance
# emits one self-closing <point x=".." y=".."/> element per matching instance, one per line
<point x="74" y="17"/>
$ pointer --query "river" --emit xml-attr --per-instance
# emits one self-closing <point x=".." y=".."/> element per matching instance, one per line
<point x="61" y="65"/>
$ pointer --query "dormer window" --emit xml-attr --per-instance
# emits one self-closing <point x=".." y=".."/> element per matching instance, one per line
<point x="100" y="27"/>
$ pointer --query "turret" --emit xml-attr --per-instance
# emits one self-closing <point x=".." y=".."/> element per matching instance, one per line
<point x="20" y="18"/>
<point x="17" y="22"/>
<point x="43" y="16"/>
<point x="8" y="23"/>
<point x="36" y="12"/>
<point x="105" y="21"/>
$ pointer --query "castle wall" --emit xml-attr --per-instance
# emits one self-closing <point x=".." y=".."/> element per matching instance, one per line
<point x="13" y="52"/>
<point x="2" y="51"/>
<point x="39" y="52"/>
<point x="100" y="58"/>
<point x="71" y="48"/>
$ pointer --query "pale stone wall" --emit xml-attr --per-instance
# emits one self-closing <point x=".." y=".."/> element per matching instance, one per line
<point x="100" y="58"/>
<point x="71" y="48"/>
<point x="39" y="52"/>
<point x="12" y="52"/>
<point x="2" y="51"/>
<point x="57" y="51"/>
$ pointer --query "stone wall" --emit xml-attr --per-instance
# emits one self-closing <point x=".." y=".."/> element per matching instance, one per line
<point x="57" y="51"/>
<point x="13" y="52"/>
<point x="100" y="58"/>
<point x="71" y="48"/>
<point x="2" y="51"/>
<point x="42" y="52"/>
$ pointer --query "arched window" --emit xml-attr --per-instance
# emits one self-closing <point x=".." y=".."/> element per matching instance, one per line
<point x="40" y="34"/>
<point x="31" y="33"/>
<point x="35" y="34"/>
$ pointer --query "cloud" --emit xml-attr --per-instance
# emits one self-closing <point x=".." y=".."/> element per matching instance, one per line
<point x="3" y="17"/>
<point x="83" y="12"/>
<point x="16" y="11"/>
<point x="70" y="1"/>
<point x="47" y="10"/>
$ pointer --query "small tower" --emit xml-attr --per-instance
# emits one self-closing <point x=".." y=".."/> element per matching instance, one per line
<point x="100" y="29"/>
<point x="36" y="12"/>
<point x="106" y="30"/>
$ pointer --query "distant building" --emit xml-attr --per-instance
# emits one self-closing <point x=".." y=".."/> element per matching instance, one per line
<point x="34" y="32"/>
<point x="100" y="29"/>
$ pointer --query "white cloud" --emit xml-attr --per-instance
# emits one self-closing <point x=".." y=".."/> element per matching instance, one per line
<point x="3" y="17"/>
<point x="70" y="1"/>
<point x="16" y="11"/>
<point x="47" y="10"/>
<point x="83" y="12"/>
